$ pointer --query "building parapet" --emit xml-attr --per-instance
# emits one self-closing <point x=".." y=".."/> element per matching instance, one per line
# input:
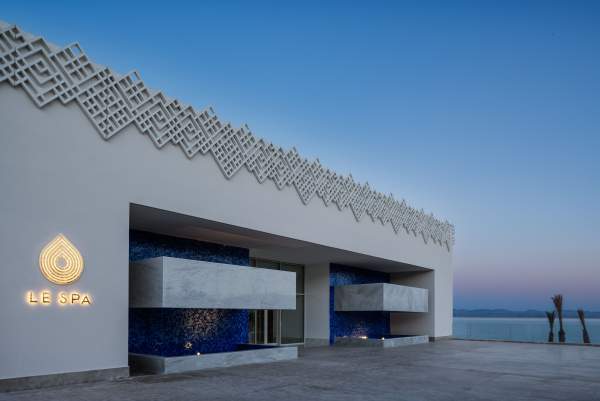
<point x="112" y="102"/>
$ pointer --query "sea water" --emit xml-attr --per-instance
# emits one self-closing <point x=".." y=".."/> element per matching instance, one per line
<point x="522" y="329"/>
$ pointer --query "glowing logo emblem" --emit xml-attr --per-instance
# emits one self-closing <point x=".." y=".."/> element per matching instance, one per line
<point x="60" y="262"/>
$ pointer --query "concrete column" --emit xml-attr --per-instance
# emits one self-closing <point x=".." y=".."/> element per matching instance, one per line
<point x="316" y="296"/>
<point x="415" y="323"/>
<point x="438" y="321"/>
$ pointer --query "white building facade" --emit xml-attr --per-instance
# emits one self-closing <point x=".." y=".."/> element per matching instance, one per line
<point x="138" y="230"/>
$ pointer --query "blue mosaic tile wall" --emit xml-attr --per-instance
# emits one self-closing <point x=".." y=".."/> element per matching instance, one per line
<point x="355" y="323"/>
<point x="144" y="245"/>
<point x="176" y="332"/>
<point x="182" y="331"/>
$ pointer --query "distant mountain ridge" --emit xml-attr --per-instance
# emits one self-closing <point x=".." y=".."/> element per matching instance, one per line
<point x="570" y="313"/>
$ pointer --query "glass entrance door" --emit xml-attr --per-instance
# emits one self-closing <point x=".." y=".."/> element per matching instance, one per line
<point x="274" y="326"/>
<point x="264" y="327"/>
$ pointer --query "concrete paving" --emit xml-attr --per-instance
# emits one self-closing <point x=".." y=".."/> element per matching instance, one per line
<point x="444" y="370"/>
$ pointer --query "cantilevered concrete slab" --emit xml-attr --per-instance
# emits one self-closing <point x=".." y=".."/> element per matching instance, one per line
<point x="380" y="297"/>
<point x="381" y="342"/>
<point x="181" y="283"/>
<point x="189" y="363"/>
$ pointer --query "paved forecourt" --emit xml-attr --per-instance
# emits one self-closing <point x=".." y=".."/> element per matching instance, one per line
<point x="443" y="370"/>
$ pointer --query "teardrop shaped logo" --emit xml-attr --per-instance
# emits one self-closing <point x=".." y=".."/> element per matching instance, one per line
<point x="60" y="262"/>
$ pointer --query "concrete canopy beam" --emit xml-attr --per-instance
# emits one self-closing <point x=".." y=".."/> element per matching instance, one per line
<point x="166" y="282"/>
<point x="380" y="297"/>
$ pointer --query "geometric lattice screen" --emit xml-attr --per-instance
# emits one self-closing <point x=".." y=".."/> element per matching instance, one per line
<point x="112" y="102"/>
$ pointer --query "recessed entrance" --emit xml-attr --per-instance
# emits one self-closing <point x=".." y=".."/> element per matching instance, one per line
<point x="160" y="233"/>
<point x="279" y="326"/>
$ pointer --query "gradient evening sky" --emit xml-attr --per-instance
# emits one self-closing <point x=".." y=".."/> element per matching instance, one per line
<point x="485" y="113"/>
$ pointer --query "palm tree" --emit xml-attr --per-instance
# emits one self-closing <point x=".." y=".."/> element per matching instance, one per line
<point x="558" y="304"/>
<point x="586" y="336"/>
<point x="551" y="316"/>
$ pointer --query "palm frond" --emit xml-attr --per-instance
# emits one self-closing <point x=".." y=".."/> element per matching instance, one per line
<point x="558" y="302"/>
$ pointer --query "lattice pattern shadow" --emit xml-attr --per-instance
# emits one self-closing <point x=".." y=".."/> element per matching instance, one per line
<point x="112" y="102"/>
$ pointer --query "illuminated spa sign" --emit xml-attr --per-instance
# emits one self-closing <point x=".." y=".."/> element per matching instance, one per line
<point x="60" y="263"/>
<point x="62" y="298"/>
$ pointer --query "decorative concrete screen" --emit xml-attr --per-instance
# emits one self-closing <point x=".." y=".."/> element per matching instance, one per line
<point x="112" y="102"/>
<point x="380" y="297"/>
<point x="181" y="283"/>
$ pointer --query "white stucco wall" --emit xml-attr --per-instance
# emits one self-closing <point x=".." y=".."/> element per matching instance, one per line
<point x="59" y="176"/>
